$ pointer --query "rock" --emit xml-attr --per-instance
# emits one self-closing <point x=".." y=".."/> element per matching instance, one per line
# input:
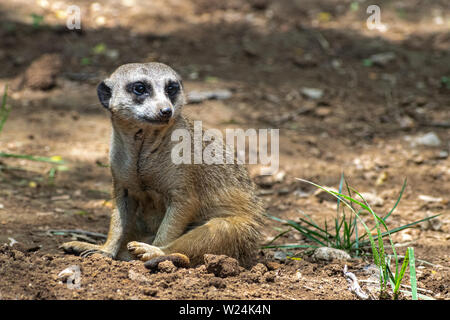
<point x="305" y="61"/>
<point x="71" y="276"/>
<point x="221" y="265"/>
<point x="60" y="198"/>
<point x="429" y="139"/>
<point x="382" y="59"/>
<point x="271" y="265"/>
<point x="301" y="194"/>
<point x="280" y="255"/>
<point x="200" y="96"/>
<point x="283" y="191"/>
<point x="406" y="122"/>
<point x="279" y="176"/>
<point x="330" y="254"/>
<point x="405" y="236"/>
<point x="372" y="270"/>
<point x="113" y="54"/>
<point x="441" y="155"/>
<point x="372" y="199"/>
<point x="322" y="111"/>
<point x="429" y="198"/>
<point x="267" y="181"/>
<point x="42" y="73"/>
<point x="12" y="241"/>
<point x="433" y="224"/>
<point x="312" y="93"/>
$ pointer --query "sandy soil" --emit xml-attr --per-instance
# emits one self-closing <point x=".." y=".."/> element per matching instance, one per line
<point x="265" y="52"/>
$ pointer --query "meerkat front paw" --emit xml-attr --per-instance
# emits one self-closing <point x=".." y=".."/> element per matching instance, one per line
<point x="83" y="249"/>
<point x="144" y="251"/>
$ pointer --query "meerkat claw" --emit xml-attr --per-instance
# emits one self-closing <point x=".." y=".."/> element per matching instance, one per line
<point x="88" y="253"/>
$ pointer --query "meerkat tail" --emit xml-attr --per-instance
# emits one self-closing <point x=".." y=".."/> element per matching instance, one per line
<point x="178" y="259"/>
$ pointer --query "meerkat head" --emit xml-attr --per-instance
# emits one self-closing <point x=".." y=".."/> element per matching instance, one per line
<point x="149" y="93"/>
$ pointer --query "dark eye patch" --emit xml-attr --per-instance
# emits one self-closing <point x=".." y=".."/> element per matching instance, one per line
<point x="139" y="88"/>
<point x="172" y="90"/>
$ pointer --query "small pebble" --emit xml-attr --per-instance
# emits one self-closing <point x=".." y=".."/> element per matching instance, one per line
<point x="329" y="254"/>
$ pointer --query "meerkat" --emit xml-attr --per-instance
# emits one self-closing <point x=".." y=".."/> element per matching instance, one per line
<point x="162" y="208"/>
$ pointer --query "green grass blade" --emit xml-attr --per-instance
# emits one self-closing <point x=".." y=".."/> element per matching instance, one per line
<point x="4" y="112"/>
<point x="333" y="193"/>
<point x="398" y="200"/>
<point x="32" y="158"/>
<point x="402" y="227"/>
<point x="314" y="226"/>
<point x="412" y="273"/>
<point x="311" y="235"/>
<point x="380" y="240"/>
<point x="341" y="183"/>
<point x="356" y="237"/>
<point x="308" y="233"/>
<point x="349" y="192"/>
<point x="278" y="236"/>
<point x="400" y="276"/>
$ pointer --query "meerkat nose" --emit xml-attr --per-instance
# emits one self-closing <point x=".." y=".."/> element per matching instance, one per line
<point x="165" y="112"/>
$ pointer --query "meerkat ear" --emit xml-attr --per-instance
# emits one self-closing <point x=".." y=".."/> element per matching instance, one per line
<point x="104" y="94"/>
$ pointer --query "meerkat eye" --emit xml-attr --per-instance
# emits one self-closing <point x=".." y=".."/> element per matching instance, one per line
<point x="139" y="88"/>
<point x="172" y="88"/>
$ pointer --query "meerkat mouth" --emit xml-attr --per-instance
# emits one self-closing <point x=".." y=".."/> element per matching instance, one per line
<point x="154" y="121"/>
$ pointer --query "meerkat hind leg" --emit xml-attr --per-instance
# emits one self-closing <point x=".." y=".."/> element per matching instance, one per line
<point x="233" y="236"/>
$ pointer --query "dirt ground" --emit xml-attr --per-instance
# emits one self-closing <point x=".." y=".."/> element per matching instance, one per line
<point x="364" y="123"/>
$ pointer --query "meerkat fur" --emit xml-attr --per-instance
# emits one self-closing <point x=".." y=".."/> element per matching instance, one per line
<point x="162" y="208"/>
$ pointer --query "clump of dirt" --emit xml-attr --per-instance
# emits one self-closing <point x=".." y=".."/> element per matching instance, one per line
<point x="221" y="265"/>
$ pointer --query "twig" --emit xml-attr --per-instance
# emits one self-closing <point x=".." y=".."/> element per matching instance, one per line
<point x="436" y="124"/>
<point x="354" y="285"/>
<point x="325" y="45"/>
<point x="77" y="231"/>
<point x="421" y="261"/>
<point x="402" y="285"/>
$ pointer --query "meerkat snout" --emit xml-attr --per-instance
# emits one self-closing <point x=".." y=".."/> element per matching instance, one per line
<point x="147" y="93"/>
<point x="165" y="112"/>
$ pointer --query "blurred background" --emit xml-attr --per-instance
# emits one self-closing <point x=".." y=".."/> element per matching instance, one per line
<point x="372" y="103"/>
